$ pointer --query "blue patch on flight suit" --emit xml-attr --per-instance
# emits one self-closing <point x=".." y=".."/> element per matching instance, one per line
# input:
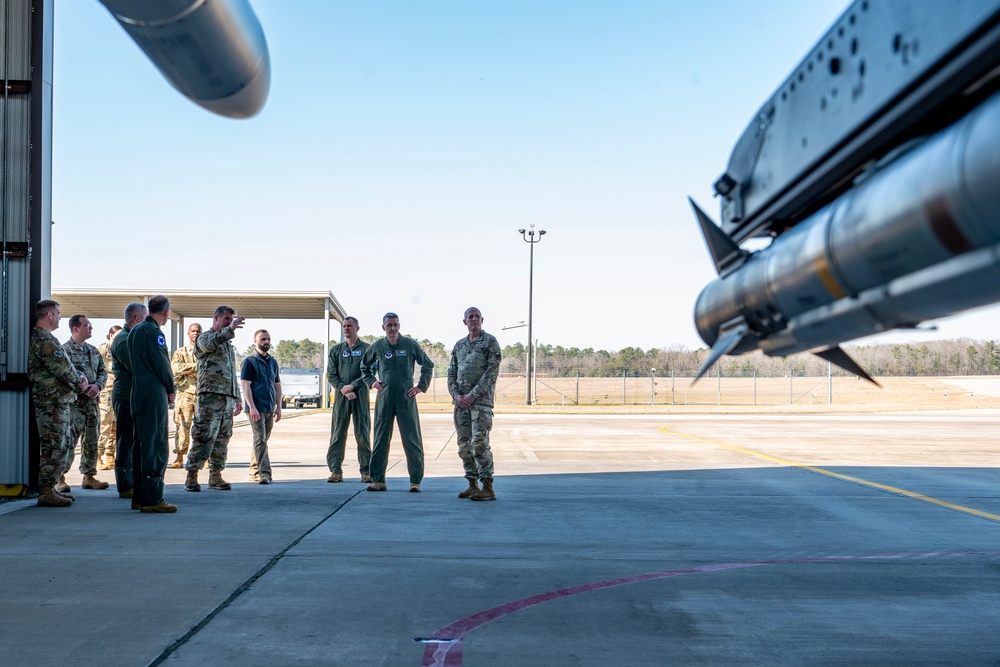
<point x="347" y="353"/>
<point x="356" y="353"/>
<point x="400" y="353"/>
<point x="388" y="355"/>
<point x="161" y="341"/>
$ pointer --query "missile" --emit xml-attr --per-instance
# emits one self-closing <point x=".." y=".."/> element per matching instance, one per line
<point x="915" y="237"/>
<point x="212" y="51"/>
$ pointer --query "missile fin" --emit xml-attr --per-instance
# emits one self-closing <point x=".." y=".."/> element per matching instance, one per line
<point x="836" y="356"/>
<point x="725" y="252"/>
<point x="727" y="341"/>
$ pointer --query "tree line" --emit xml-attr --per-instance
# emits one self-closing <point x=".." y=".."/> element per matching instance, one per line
<point x="963" y="356"/>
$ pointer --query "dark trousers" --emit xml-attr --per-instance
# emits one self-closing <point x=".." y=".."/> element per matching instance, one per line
<point x="124" y="438"/>
<point x="393" y="404"/>
<point x="152" y="451"/>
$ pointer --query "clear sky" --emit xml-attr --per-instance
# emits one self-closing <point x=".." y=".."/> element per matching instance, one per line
<point x="404" y="144"/>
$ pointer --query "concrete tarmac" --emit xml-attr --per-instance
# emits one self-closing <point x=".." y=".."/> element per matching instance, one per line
<point x="616" y="540"/>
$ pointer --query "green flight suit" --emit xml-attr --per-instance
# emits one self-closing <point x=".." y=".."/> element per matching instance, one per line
<point x="344" y="368"/>
<point x="152" y="380"/>
<point x="394" y="365"/>
<point x="126" y="440"/>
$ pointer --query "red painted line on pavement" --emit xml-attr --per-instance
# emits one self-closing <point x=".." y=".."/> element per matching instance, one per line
<point x="444" y="647"/>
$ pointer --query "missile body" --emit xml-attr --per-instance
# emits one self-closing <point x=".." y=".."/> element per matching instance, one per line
<point x="212" y="51"/>
<point x="916" y="238"/>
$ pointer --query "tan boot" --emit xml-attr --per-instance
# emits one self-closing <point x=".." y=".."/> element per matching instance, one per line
<point x="487" y="492"/>
<point x="215" y="480"/>
<point x="191" y="483"/>
<point x="162" y="507"/>
<point x="178" y="462"/>
<point x="61" y="486"/>
<point x="49" y="498"/>
<point x="111" y="461"/>
<point x="101" y="465"/>
<point x="91" y="482"/>
<point x="471" y="491"/>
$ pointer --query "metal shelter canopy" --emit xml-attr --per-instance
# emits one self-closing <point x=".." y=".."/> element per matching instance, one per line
<point x="283" y="305"/>
<point x="270" y="305"/>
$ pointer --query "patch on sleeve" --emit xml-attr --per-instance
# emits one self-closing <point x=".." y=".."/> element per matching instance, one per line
<point x="161" y="341"/>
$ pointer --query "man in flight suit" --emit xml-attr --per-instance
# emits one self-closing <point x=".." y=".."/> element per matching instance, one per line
<point x="350" y="402"/>
<point x="127" y="442"/>
<point x="152" y="393"/>
<point x="393" y="358"/>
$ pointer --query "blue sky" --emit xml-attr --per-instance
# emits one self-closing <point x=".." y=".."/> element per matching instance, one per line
<point x="404" y="144"/>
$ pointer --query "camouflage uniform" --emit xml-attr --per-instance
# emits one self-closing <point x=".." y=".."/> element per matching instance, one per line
<point x="185" y="368"/>
<point x="85" y="415"/>
<point x="106" y="440"/>
<point x="394" y="365"/>
<point x="218" y="391"/>
<point x="344" y="368"/>
<point x="473" y="370"/>
<point x="53" y="390"/>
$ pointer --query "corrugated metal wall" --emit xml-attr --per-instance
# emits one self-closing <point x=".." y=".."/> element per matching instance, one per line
<point x="25" y="217"/>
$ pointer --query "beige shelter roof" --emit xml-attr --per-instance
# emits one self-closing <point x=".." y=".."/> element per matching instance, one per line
<point x="271" y="305"/>
<point x="285" y="305"/>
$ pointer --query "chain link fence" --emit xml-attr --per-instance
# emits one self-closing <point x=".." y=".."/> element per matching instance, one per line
<point x="715" y="389"/>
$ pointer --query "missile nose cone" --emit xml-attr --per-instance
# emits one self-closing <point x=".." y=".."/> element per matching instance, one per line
<point x="246" y="102"/>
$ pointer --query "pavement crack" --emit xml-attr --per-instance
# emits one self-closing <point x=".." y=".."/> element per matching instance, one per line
<point x="245" y="586"/>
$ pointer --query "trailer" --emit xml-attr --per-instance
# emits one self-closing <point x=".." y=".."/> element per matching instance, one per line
<point x="301" y="387"/>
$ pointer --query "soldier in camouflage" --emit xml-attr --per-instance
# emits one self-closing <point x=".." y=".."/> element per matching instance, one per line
<point x="185" y="368"/>
<point x="85" y="415"/>
<point x="55" y="383"/>
<point x="106" y="439"/>
<point x="472" y="376"/>
<point x="218" y="400"/>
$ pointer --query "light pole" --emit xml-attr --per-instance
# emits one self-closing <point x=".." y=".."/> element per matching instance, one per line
<point x="530" y="237"/>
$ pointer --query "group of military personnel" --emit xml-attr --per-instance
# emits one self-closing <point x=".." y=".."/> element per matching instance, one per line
<point x="116" y="400"/>
<point x="387" y="366"/>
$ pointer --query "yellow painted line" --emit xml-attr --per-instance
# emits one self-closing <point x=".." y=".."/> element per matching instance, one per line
<point x="837" y="475"/>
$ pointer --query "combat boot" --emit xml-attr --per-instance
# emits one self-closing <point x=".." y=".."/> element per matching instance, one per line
<point x="178" y="462"/>
<point x="471" y="491"/>
<point x="47" y="497"/>
<point x="61" y="486"/>
<point x="215" y="480"/>
<point x="111" y="461"/>
<point x="162" y="507"/>
<point x="101" y="465"/>
<point x="91" y="482"/>
<point x="487" y="492"/>
<point x="191" y="483"/>
<point x="335" y="477"/>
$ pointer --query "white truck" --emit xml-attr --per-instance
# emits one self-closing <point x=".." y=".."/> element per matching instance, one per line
<point x="301" y="386"/>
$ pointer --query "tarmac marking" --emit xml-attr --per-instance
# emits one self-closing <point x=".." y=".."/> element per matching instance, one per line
<point x="444" y="647"/>
<point x="847" y="478"/>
